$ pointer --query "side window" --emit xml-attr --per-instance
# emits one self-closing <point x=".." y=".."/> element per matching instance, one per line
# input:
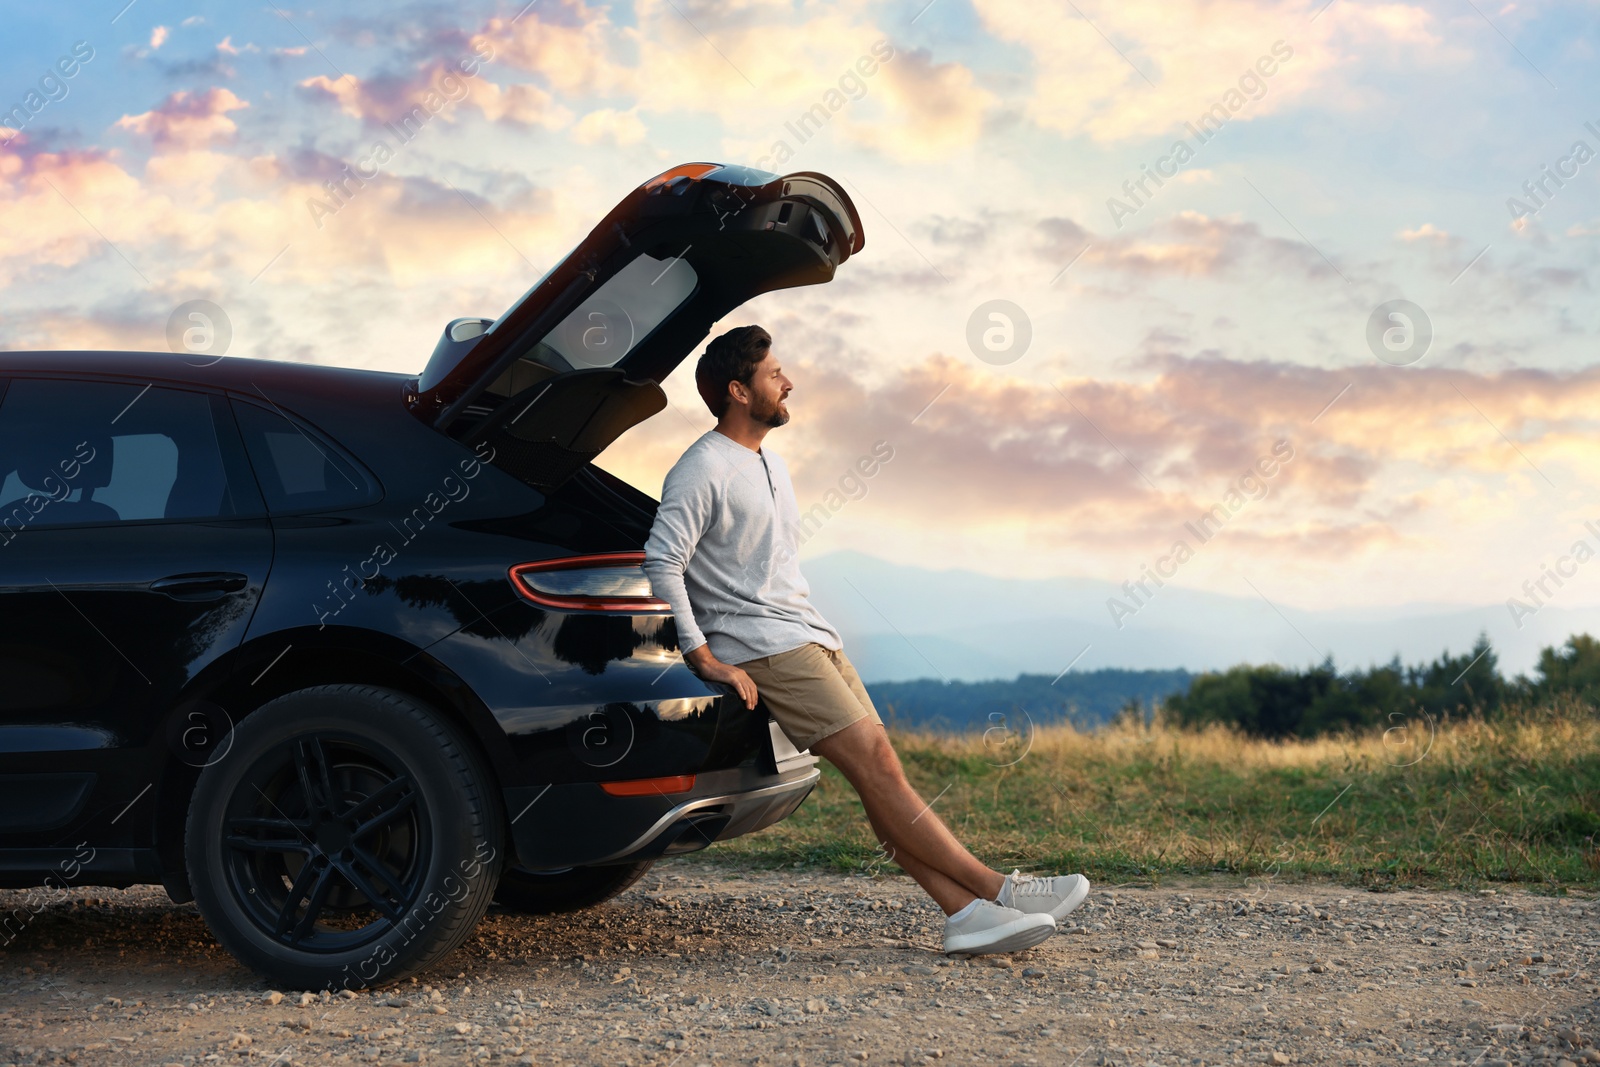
<point x="76" y="452"/>
<point x="298" y="468"/>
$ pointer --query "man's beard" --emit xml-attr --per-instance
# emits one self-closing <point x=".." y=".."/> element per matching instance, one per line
<point x="774" y="417"/>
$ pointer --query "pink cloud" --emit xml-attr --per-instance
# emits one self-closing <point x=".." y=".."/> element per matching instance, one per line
<point x="188" y="120"/>
<point x="1186" y="244"/>
<point x="1071" y="463"/>
<point x="435" y="90"/>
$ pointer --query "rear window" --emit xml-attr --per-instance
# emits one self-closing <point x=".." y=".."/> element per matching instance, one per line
<point x="619" y="315"/>
<point x="300" y="469"/>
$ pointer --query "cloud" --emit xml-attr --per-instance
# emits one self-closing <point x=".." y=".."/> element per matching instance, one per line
<point x="720" y="60"/>
<point x="201" y="220"/>
<point x="41" y="197"/>
<point x="934" y="109"/>
<point x="72" y="327"/>
<point x="691" y="60"/>
<point x="158" y="37"/>
<point x="1400" y="453"/>
<point x="436" y="90"/>
<point x="1427" y="232"/>
<point x="568" y="44"/>
<point x="609" y="124"/>
<point x="1140" y="68"/>
<point x="1186" y="244"/>
<point x="187" y="120"/>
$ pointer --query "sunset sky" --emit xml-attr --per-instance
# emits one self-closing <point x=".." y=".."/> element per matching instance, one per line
<point x="1178" y="331"/>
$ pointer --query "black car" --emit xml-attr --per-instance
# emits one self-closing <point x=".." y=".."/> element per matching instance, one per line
<point x="343" y="655"/>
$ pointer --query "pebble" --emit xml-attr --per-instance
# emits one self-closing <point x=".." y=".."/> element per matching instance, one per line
<point x="629" y="981"/>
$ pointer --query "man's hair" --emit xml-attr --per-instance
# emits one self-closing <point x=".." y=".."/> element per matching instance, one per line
<point x="730" y="358"/>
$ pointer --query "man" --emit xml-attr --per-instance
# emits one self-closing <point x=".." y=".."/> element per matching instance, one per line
<point x="723" y="553"/>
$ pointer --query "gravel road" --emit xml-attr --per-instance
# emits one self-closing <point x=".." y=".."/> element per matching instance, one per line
<point x="708" y="964"/>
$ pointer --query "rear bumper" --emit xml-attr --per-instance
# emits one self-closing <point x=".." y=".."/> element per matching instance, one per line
<point x="580" y="825"/>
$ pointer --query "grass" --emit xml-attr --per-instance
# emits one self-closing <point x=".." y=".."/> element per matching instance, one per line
<point x="1462" y="803"/>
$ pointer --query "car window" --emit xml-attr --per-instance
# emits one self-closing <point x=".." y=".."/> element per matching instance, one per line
<point x="619" y="315"/>
<point x="298" y="468"/>
<point x="75" y="452"/>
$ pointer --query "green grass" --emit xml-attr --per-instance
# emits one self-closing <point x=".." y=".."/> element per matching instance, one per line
<point x="1464" y="803"/>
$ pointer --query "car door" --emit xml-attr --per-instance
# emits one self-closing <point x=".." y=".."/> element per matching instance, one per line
<point x="578" y="360"/>
<point x="133" y="548"/>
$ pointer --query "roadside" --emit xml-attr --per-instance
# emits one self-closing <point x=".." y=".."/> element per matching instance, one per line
<point x="1468" y="804"/>
<point x="707" y="963"/>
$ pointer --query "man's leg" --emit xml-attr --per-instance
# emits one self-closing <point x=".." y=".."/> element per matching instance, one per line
<point x="922" y="844"/>
<point x="950" y="895"/>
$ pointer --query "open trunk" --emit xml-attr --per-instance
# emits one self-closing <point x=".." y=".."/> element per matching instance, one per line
<point x="578" y="360"/>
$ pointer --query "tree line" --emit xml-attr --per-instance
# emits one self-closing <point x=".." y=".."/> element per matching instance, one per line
<point x="1281" y="702"/>
<point x="1085" y="698"/>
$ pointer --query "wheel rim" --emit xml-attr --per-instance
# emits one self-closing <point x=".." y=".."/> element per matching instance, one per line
<point x="326" y="843"/>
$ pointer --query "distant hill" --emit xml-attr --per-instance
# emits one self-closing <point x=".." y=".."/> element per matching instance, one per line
<point x="902" y="622"/>
<point x="1087" y="698"/>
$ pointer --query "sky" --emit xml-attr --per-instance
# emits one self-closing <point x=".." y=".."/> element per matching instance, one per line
<point x="1350" y="244"/>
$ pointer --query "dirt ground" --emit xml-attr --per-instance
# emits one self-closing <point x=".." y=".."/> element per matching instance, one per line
<point x="707" y="964"/>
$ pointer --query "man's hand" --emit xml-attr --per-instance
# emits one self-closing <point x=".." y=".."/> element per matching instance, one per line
<point x="713" y="669"/>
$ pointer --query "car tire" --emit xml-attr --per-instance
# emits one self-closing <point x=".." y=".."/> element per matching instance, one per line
<point x="349" y="839"/>
<point x="576" y="888"/>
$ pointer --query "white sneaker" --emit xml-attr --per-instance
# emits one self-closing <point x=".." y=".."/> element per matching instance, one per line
<point x="988" y="927"/>
<point x="1056" y="897"/>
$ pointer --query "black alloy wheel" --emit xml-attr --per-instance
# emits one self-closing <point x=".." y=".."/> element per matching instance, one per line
<point x="349" y="839"/>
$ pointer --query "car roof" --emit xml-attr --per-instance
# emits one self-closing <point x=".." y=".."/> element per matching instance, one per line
<point x="237" y="373"/>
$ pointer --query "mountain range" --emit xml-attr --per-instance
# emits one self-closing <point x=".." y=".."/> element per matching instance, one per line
<point x="902" y="622"/>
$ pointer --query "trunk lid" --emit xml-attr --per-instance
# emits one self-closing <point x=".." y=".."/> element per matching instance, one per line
<point x="578" y="359"/>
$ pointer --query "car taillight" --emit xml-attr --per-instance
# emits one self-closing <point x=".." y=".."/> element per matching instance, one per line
<point x="609" y="581"/>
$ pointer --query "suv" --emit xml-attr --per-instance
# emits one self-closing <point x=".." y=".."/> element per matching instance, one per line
<point x="343" y="655"/>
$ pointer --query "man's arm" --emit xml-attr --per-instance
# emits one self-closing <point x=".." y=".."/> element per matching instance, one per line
<point x="713" y="669"/>
<point x="687" y="508"/>
<point x="685" y="512"/>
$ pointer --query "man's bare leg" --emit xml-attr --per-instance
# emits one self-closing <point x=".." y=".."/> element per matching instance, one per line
<point x="950" y="895"/>
<point x="921" y="843"/>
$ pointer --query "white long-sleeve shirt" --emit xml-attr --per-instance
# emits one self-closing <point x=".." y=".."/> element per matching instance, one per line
<point x="724" y="553"/>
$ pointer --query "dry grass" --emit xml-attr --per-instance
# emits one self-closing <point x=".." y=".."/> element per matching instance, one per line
<point x="1460" y="803"/>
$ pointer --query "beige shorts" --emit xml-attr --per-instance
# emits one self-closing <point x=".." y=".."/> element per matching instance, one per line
<point x="811" y="691"/>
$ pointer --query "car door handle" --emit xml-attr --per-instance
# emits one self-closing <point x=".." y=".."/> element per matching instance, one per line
<point x="209" y="585"/>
